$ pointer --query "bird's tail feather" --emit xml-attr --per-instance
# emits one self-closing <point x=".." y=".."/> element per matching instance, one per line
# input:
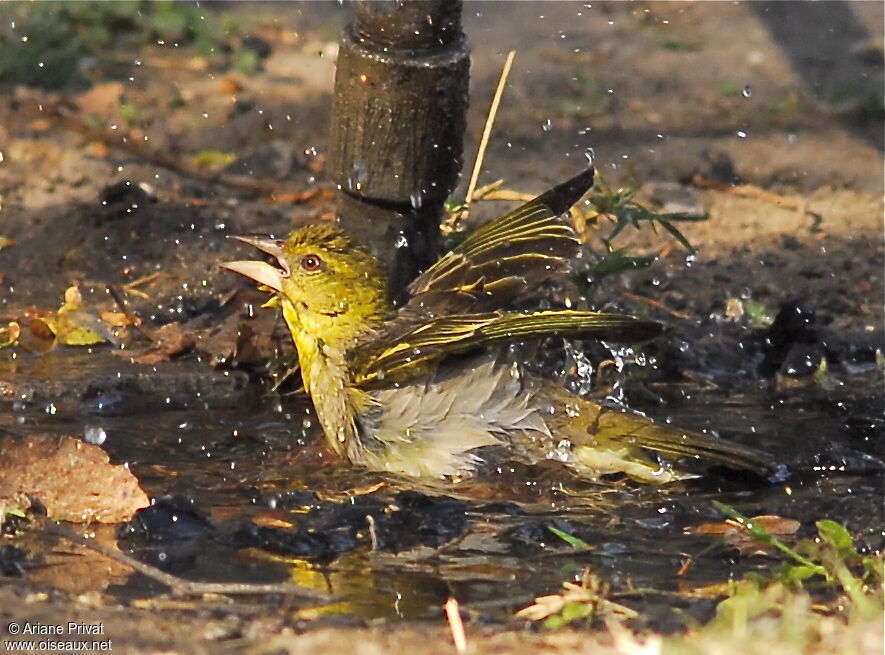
<point x="603" y="434"/>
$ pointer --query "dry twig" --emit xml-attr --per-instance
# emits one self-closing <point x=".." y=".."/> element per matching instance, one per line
<point x="452" y="222"/>
<point x="179" y="586"/>
<point x="752" y="191"/>
<point x="456" y="625"/>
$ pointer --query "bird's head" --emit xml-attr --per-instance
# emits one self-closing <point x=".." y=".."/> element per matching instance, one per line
<point x="328" y="286"/>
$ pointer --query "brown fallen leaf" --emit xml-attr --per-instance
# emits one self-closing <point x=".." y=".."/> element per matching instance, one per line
<point x="169" y="340"/>
<point x="311" y="196"/>
<point x="235" y="339"/>
<point x="40" y="125"/>
<point x="737" y="535"/>
<point x="271" y="520"/>
<point x="101" y="100"/>
<point x="74" y="480"/>
<point x="230" y="85"/>
<point x="119" y="319"/>
<point x="96" y="149"/>
<point x="36" y="337"/>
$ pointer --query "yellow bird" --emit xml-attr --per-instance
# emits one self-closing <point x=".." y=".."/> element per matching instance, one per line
<point x="425" y="390"/>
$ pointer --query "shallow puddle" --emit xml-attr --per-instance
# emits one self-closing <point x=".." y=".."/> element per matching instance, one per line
<point x="253" y="502"/>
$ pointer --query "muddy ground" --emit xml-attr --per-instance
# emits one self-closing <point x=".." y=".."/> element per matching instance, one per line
<point x="786" y="99"/>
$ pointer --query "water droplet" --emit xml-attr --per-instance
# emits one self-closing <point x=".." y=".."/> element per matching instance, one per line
<point x="95" y="435"/>
<point x="357" y="177"/>
<point x="562" y="452"/>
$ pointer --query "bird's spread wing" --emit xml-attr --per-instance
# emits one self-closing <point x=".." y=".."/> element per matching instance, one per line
<point x="408" y="355"/>
<point x="497" y="262"/>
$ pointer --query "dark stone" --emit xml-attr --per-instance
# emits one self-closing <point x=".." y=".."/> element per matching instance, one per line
<point x="13" y="561"/>
<point x="169" y="519"/>
<point x="794" y="324"/>
<point x="259" y="46"/>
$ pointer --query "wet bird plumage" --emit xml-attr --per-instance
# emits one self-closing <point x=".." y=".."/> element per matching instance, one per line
<point x="421" y="390"/>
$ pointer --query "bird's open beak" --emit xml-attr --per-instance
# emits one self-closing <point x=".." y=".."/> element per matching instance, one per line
<point x="262" y="272"/>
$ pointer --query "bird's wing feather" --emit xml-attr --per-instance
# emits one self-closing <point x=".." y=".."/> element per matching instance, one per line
<point x="523" y="247"/>
<point x="410" y="353"/>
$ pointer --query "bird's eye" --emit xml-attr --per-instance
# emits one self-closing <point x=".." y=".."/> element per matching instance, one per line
<point x="311" y="263"/>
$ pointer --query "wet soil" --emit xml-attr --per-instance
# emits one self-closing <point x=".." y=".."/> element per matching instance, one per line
<point x="787" y="99"/>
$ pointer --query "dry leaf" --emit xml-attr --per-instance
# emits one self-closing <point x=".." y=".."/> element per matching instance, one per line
<point x="589" y="593"/>
<point x="737" y="535"/>
<point x="248" y="342"/>
<point x="71" y="324"/>
<point x="169" y="340"/>
<point x="120" y="319"/>
<point x="230" y="84"/>
<point x="96" y="149"/>
<point x="74" y="480"/>
<point x="38" y="327"/>
<point x="101" y="100"/>
<point x="734" y="310"/>
<point x="213" y="160"/>
<point x="9" y="334"/>
<point x="40" y="125"/>
<point x="268" y="520"/>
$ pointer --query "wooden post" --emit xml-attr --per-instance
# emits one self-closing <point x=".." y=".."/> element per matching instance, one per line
<point x="398" y="126"/>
